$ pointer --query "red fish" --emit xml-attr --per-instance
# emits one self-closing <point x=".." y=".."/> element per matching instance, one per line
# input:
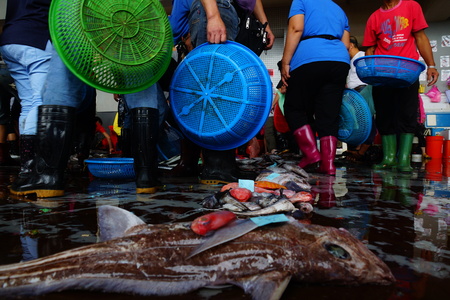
<point x="212" y="221"/>
<point x="241" y="194"/>
<point x="301" y="197"/>
<point x="231" y="185"/>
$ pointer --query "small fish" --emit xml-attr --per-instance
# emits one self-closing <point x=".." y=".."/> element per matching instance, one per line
<point x="151" y="260"/>
<point x="274" y="158"/>
<point x="269" y="185"/>
<point x="230" y="185"/>
<point x="249" y="206"/>
<point x="213" y="201"/>
<point x="281" y="176"/>
<point x="304" y="207"/>
<point x="296" y="169"/>
<point x="249" y="161"/>
<point x="212" y="221"/>
<point x="241" y="194"/>
<point x="267" y="199"/>
<point x="301" y="197"/>
<point x="228" y="199"/>
<point x="283" y="205"/>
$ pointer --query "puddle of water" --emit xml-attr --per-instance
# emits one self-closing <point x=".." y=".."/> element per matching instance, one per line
<point x="404" y="219"/>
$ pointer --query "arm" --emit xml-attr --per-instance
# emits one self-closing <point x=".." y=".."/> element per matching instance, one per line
<point x="370" y="50"/>
<point x="294" y="34"/>
<point x="117" y="97"/>
<point x="423" y="44"/>
<point x="274" y="102"/>
<point x="108" y="138"/>
<point x="215" y="28"/>
<point x="346" y="39"/>
<point x="261" y="16"/>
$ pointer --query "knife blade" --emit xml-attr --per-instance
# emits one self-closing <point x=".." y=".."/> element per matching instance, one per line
<point x="235" y="229"/>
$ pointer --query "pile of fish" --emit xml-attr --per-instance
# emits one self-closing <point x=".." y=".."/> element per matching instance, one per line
<point x="136" y="258"/>
<point x="278" y="188"/>
<point x="287" y="174"/>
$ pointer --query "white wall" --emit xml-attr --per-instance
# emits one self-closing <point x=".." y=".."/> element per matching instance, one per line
<point x="2" y="9"/>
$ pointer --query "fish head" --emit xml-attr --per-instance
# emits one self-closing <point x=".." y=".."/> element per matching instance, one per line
<point x="213" y="201"/>
<point x="334" y="255"/>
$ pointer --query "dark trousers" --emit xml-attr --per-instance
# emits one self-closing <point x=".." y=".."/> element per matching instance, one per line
<point x="314" y="96"/>
<point x="396" y="109"/>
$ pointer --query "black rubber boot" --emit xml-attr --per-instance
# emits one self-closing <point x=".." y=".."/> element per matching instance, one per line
<point x="13" y="147"/>
<point x="188" y="164"/>
<point x="84" y="133"/>
<point x="54" y="141"/>
<point x="5" y="158"/>
<point x="220" y="167"/>
<point x="27" y="150"/>
<point x="144" y="134"/>
<point x="125" y="143"/>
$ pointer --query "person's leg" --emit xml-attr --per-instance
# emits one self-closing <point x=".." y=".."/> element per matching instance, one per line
<point x="63" y="93"/>
<point x="408" y="101"/>
<point x="198" y="21"/>
<point x="85" y="129"/>
<point x="213" y="170"/>
<point x="147" y="111"/>
<point x="270" y="135"/>
<point x="386" y="123"/>
<point x="54" y="138"/>
<point x="328" y="102"/>
<point x="5" y="158"/>
<point x="28" y="66"/>
<point x="297" y="105"/>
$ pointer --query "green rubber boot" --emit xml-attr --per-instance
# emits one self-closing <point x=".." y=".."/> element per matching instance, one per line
<point x="389" y="144"/>
<point x="389" y="186"/>
<point x="404" y="152"/>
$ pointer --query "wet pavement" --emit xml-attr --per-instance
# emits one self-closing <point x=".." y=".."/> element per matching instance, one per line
<point x="403" y="218"/>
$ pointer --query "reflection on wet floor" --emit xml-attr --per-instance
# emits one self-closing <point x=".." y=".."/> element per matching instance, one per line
<point x="403" y="218"/>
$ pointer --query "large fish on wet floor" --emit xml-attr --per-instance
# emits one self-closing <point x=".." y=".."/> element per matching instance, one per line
<point x="137" y="258"/>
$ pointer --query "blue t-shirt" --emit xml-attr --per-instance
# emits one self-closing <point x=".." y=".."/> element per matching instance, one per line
<point x="321" y="17"/>
<point x="179" y="18"/>
<point x="26" y="23"/>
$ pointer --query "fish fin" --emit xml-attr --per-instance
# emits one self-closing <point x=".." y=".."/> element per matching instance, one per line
<point x="267" y="286"/>
<point x="113" y="222"/>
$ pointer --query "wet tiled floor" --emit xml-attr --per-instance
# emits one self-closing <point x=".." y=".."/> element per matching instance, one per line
<point x="403" y="218"/>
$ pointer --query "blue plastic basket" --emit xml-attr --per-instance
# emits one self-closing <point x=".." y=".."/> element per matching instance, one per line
<point x="111" y="168"/>
<point x="221" y="95"/>
<point x="388" y="70"/>
<point x="355" y="121"/>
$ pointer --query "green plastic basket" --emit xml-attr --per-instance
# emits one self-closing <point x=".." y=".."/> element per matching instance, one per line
<point x="117" y="46"/>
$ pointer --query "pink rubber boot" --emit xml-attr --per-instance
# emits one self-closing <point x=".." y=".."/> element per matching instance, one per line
<point x="328" y="153"/>
<point x="306" y="141"/>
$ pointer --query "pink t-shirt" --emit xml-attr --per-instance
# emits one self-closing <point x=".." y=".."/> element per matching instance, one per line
<point x="391" y="30"/>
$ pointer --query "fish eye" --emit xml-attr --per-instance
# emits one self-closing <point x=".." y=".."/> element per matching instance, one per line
<point x="336" y="251"/>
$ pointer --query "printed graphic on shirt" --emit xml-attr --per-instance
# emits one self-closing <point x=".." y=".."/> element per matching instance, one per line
<point x="393" y="32"/>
